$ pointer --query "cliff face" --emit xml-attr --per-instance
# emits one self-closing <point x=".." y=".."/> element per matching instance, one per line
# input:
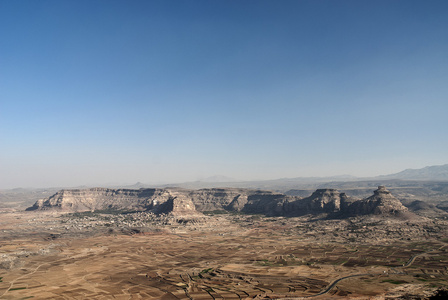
<point x="157" y="200"/>
<point x="381" y="203"/>
<point x="188" y="202"/>
<point x="177" y="204"/>
<point x="102" y="199"/>
<point x="219" y="199"/>
<point x="268" y="203"/>
<point x="326" y="200"/>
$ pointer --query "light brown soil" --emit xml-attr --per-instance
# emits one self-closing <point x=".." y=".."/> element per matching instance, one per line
<point x="222" y="258"/>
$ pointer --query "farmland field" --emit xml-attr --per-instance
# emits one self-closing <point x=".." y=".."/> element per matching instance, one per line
<point x="221" y="257"/>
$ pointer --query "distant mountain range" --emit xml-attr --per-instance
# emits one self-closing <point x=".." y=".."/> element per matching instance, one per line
<point x="428" y="183"/>
<point x="426" y="173"/>
<point x="431" y="173"/>
<point x="219" y="178"/>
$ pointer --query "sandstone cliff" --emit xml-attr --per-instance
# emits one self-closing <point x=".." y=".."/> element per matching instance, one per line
<point x="103" y="199"/>
<point x="328" y="201"/>
<point x="178" y="205"/>
<point x="251" y="201"/>
<point x="381" y="203"/>
<point x="190" y="202"/>
<point x="231" y="199"/>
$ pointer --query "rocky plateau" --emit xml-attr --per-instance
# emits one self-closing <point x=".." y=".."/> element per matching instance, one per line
<point x="192" y="202"/>
<point x="224" y="243"/>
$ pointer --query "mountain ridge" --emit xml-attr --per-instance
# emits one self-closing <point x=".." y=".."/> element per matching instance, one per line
<point x="191" y="202"/>
<point x="429" y="173"/>
<point x="435" y="172"/>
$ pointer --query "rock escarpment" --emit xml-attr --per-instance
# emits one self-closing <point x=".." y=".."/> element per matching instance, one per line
<point x="178" y="205"/>
<point x="103" y="199"/>
<point x="191" y="202"/>
<point x="231" y="199"/>
<point x="323" y="201"/>
<point x="381" y="203"/>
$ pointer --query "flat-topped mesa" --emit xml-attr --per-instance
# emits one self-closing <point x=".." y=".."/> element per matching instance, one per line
<point x="380" y="203"/>
<point x="211" y="199"/>
<point x="320" y="202"/>
<point x="102" y="199"/>
<point x="178" y="201"/>
<point x="266" y="202"/>
<point x="327" y="200"/>
<point x="182" y="202"/>
<point x="177" y="205"/>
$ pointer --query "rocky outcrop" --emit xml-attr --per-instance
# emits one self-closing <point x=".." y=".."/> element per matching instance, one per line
<point x="167" y="200"/>
<point x="190" y="202"/>
<point x="219" y="198"/>
<point x="327" y="201"/>
<point x="103" y="199"/>
<point x="268" y="203"/>
<point x="381" y="203"/>
<point x="178" y="205"/>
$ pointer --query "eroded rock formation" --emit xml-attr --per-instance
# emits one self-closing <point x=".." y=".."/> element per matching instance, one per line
<point x="190" y="202"/>
<point x="103" y="199"/>
<point x="325" y="201"/>
<point x="382" y="202"/>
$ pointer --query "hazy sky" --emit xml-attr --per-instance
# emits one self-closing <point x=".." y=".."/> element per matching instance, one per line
<point x="98" y="92"/>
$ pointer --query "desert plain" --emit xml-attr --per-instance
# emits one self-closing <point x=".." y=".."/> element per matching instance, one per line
<point x="219" y="255"/>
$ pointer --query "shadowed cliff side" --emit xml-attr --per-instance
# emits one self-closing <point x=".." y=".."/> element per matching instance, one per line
<point x="328" y="202"/>
<point x="381" y="203"/>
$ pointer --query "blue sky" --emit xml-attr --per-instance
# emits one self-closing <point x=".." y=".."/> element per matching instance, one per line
<point x="99" y="92"/>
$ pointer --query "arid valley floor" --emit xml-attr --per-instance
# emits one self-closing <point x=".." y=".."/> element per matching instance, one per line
<point x="55" y="255"/>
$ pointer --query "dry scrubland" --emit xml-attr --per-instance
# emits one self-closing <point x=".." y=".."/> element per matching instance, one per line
<point x="49" y="255"/>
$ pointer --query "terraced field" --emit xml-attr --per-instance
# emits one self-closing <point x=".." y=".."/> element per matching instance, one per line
<point x="225" y="257"/>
